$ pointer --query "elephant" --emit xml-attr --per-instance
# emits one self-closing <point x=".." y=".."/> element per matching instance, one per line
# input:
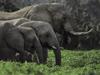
<point x="45" y="34"/>
<point x="60" y="39"/>
<point x="21" y="40"/>
<point x="8" y="51"/>
<point x="53" y="13"/>
<point x="47" y="38"/>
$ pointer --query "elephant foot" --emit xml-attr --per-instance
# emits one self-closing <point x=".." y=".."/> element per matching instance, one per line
<point x="24" y="57"/>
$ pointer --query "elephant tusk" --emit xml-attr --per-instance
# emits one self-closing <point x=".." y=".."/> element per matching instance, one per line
<point x="54" y="47"/>
<point x="81" y="33"/>
<point x="17" y="54"/>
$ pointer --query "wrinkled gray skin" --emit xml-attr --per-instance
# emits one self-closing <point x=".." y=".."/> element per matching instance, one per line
<point x="56" y="15"/>
<point x="31" y="42"/>
<point x="45" y="34"/>
<point x="11" y="41"/>
<point x="53" y="13"/>
<point x="47" y="38"/>
<point x="21" y="40"/>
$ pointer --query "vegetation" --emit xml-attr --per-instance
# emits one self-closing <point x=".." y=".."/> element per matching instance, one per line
<point x="73" y="63"/>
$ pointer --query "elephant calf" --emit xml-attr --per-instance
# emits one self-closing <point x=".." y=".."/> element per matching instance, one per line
<point x="11" y="41"/>
<point x="18" y="39"/>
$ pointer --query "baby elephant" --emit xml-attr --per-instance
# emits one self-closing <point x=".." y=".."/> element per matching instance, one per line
<point x="11" y="41"/>
<point x="18" y="40"/>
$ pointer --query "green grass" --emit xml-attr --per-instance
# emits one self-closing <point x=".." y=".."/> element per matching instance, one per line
<point x="73" y="63"/>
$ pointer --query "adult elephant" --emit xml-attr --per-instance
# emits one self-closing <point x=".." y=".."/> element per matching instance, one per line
<point x="18" y="40"/>
<point x="47" y="38"/>
<point x="45" y="34"/>
<point x="53" y="13"/>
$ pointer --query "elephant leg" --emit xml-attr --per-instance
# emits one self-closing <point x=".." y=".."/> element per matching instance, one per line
<point x="65" y="40"/>
<point x="74" y="42"/>
<point x="70" y="41"/>
<point x="39" y="56"/>
<point x="45" y="55"/>
<point x="25" y="56"/>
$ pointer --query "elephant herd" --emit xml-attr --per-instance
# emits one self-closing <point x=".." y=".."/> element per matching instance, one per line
<point x="35" y="29"/>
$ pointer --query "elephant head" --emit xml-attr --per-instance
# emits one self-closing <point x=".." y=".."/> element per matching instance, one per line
<point x="60" y="39"/>
<point x="49" y="40"/>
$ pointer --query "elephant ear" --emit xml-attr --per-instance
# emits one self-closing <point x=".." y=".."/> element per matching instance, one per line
<point x="28" y="36"/>
<point x="7" y="26"/>
<point x="27" y="32"/>
<point x="12" y="37"/>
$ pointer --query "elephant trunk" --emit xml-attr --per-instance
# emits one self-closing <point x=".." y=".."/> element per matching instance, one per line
<point x="57" y="53"/>
<point x="54" y="44"/>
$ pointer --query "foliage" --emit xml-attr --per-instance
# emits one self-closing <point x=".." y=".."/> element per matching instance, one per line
<point x="73" y="63"/>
